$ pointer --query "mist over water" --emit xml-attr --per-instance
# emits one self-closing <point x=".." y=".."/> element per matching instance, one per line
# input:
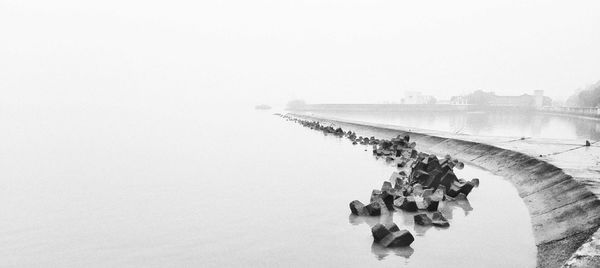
<point x="107" y="186"/>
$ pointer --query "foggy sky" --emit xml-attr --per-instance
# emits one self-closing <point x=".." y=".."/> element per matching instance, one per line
<point x="250" y="52"/>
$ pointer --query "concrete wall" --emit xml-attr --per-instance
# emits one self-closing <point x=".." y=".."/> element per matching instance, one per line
<point x="584" y="111"/>
<point x="564" y="213"/>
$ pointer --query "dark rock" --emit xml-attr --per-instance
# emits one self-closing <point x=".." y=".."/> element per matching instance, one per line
<point x="402" y="238"/>
<point x="392" y="227"/>
<point x="432" y="163"/>
<point x="399" y="201"/>
<point x="439" y="193"/>
<point x="420" y="176"/>
<point x="422" y="219"/>
<point x="409" y="204"/>
<point x="395" y="192"/>
<point x="406" y="138"/>
<point x="357" y="208"/>
<point x="399" y="141"/>
<point x="388" y="200"/>
<point x="386" y="186"/>
<point x="475" y="182"/>
<point x="406" y="191"/>
<point x="433" y="205"/>
<point x="438" y="220"/>
<point x="373" y="209"/>
<point x="466" y="188"/>
<point x="399" y="188"/>
<point x="379" y="231"/>
<point x="460" y="187"/>
<point x="454" y="189"/>
<point x="418" y="165"/>
<point x="397" y="180"/>
<point x="446" y="166"/>
<point x="386" y="145"/>
<point x="375" y="194"/>
<point x="413" y="153"/>
<point x="448" y="179"/>
<point x="427" y="193"/>
<point x="435" y="176"/>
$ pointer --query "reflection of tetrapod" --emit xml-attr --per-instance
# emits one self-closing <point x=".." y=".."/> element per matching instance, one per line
<point x="381" y="252"/>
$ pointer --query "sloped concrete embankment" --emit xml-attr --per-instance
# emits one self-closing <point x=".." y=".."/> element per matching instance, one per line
<point x="564" y="213"/>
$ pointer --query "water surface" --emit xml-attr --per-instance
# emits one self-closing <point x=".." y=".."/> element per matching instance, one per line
<point x="97" y="186"/>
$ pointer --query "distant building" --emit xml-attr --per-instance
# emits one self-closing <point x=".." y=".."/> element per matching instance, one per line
<point x="459" y="100"/>
<point x="480" y="97"/>
<point x="415" y="97"/>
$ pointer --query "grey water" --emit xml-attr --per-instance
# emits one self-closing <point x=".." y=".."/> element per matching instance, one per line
<point x="504" y="123"/>
<point x="110" y="186"/>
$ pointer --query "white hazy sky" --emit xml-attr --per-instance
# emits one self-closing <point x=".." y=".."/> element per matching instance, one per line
<point x="121" y="51"/>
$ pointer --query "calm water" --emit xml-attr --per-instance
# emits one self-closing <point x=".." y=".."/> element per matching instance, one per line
<point x="146" y="187"/>
<point x="485" y="123"/>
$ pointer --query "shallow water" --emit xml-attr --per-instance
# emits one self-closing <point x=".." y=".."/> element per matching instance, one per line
<point x="121" y="187"/>
<point x="484" y="123"/>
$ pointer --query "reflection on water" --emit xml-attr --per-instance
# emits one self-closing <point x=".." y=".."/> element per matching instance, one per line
<point x="486" y="123"/>
<point x="382" y="252"/>
<point x="449" y="207"/>
<point x="420" y="230"/>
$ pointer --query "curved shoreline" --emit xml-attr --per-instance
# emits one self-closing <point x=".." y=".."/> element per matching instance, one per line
<point x="564" y="213"/>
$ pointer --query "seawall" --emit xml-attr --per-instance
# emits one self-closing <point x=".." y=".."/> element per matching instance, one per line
<point x="565" y="213"/>
<point x="593" y="112"/>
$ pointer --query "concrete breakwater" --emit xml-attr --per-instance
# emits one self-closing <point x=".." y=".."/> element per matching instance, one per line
<point x="421" y="183"/>
<point x="582" y="111"/>
<point x="565" y="214"/>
